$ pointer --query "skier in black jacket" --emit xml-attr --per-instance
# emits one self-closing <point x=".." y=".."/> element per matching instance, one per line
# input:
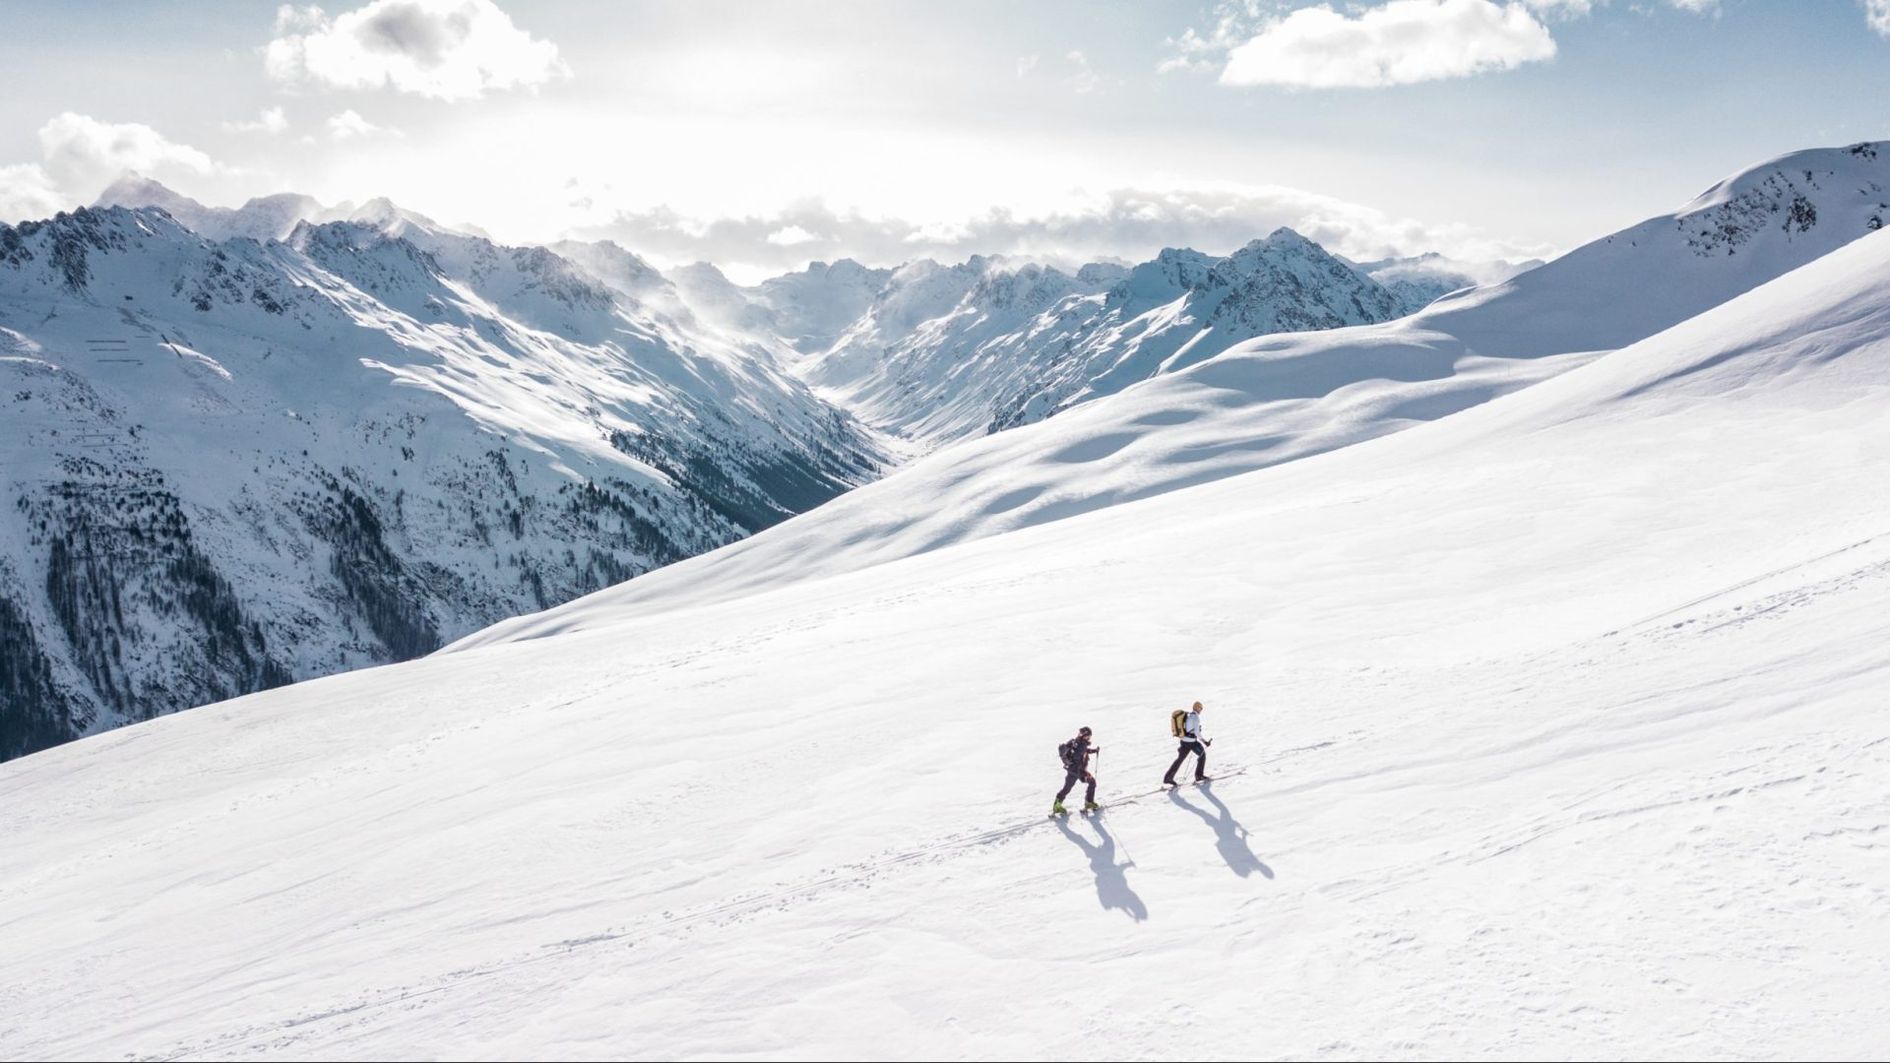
<point x="1075" y="754"/>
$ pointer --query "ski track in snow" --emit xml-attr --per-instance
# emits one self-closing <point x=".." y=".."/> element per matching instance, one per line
<point x="857" y="876"/>
<point x="1722" y="793"/>
<point x="1729" y="790"/>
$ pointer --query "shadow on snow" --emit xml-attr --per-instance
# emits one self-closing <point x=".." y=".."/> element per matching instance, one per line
<point x="1112" y="879"/>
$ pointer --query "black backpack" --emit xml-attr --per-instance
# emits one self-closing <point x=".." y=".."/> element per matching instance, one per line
<point x="1072" y="761"/>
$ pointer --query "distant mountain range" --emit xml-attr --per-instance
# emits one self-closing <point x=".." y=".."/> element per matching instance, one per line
<point x="231" y="463"/>
<point x="255" y="445"/>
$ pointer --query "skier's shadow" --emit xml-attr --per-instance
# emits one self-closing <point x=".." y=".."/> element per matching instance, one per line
<point x="1230" y="838"/>
<point x="1112" y="879"/>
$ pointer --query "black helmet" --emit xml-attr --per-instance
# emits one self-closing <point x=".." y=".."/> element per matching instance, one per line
<point x="1084" y="731"/>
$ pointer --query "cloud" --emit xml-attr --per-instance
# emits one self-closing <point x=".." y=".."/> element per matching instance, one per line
<point x="791" y="235"/>
<point x="1126" y="223"/>
<point x="80" y="155"/>
<point x="82" y="152"/>
<point x="271" y="121"/>
<point x="349" y="125"/>
<point x="1235" y="21"/>
<point x="1574" y="8"/>
<point x="1400" y="43"/>
<point x="444" y="49"/>
<point x="1877" y="14"/>
<point x="289" y="17"/>
<point x="27" y="192"/>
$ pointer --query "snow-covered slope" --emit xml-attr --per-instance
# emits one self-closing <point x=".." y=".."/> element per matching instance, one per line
<point x="1553" y="728"/>
<point x="228" y="464"/>
<point x="1744" y="231"/>
<point x="946" y="353"/>
<point x="1285" y="397"/>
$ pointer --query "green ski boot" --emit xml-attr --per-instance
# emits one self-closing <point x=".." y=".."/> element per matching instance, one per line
<point x="1091" y="806"/>
<point x="1057" y="809"/>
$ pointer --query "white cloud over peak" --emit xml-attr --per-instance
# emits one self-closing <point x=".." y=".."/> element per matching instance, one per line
<point x="444" y="49"/>
<point x="80" y="155"/>
<point x="1877" y="14"/>
<point x="1400" y="43"/>
<point x="80" y="151"/>
<point x="790" y="235"/>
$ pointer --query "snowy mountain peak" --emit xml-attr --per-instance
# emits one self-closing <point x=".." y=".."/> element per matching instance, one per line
<point x="384" y="214"/>
<point x="345" y="447"/>
<point x="135" y="190"/>
<point x="812" y="307"/>
<point x="1172" y="271"/>
<point x="1792" y="195"/>
<point x="264" y="218"/>
<point x="1285" y="238"/>
<point x="1279" y="245"/>
<point x="1101" y="274"/>
<point x="843" y="271"/>
<point x="66" y="247"/>
<point x="1030" y="287"/>
<point x="622" y="270"/>
<point x="950" y="351"/>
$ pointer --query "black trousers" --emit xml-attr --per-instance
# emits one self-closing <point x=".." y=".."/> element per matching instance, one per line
<point x="1070" y="779"/>
<point x="1200" y="766"/>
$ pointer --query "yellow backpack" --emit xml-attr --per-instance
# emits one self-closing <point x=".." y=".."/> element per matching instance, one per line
<point x="1174" y="721"/>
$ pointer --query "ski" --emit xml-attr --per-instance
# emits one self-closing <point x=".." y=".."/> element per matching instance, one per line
<point x="1165" y="788"/>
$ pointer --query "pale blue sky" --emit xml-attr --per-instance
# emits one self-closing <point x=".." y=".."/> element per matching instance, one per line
<point x="877" y="127"/>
